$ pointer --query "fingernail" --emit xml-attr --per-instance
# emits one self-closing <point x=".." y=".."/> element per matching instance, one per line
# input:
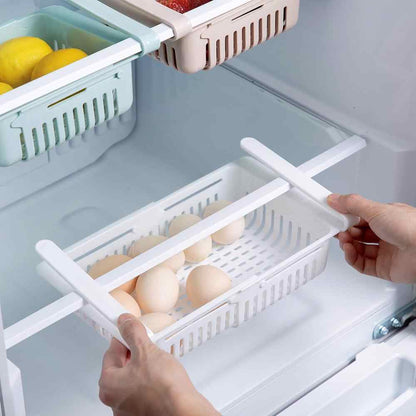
<point x="124" y="318"/>
<point x="333" y="197"/>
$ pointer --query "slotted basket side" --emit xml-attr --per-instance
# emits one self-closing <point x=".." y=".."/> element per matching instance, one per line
<point x="68" y="114"/>
<point x="246" y="304"/>
<point x="264" y="246"/>
<point x="229" y="35"/>
<point x="274" y="232"/>
<point x="39" y="126"/>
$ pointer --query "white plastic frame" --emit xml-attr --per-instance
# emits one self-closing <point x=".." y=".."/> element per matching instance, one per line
<point x="384" y="373"/>
<point x="73" y="302"/>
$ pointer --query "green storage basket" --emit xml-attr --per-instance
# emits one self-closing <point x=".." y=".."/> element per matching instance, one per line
<point x="61" y="115"/>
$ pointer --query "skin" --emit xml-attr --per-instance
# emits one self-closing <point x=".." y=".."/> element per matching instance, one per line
<point x="383" y="244"/>
<point x="146" y="381"/>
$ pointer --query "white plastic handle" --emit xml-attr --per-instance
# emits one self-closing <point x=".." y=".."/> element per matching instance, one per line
<point x="297" y="179"/>
<point x="82" y="284"/>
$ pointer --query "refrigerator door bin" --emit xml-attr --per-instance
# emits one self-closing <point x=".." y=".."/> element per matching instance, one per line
<point x="214" y="32"/>
<point x="57" y="107"/>
<point x="384" y="374"/>
<point x="284" y="246"/>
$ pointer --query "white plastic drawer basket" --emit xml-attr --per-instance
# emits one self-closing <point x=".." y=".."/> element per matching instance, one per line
<point x="214" y="32"/>
<point x="34" y="119"/>
<point x="284" y="246"/>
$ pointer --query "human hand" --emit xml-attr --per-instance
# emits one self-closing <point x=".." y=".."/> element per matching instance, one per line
<point x="146" y="381"/>
<point x="383" y="244"/>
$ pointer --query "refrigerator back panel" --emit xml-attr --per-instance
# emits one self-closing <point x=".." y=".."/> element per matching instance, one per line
<point x="346" y="70"/>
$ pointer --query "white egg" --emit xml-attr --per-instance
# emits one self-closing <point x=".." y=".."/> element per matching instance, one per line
<point x="205" y="283"/>
<point x="110" y="263"/>
<point x="157" y="290"/>
<point x="127" y="301"/>
<point x="157" y="321"/>
<point x="232" y="232"/>
<point x="200" y="250"/>
<point x="146" y="243"/>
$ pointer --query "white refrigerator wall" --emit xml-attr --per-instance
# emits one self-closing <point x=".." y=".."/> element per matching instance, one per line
<point x="188" y="126"/>
<point x="353" y="62"/>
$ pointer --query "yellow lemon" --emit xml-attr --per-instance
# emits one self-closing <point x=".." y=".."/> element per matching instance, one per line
<point x="57" y="60"/>
<point x="18" y="57"/>
<point x="4" y="88"/>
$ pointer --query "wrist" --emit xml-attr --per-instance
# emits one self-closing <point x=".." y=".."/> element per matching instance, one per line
<point x="191" y="404"/>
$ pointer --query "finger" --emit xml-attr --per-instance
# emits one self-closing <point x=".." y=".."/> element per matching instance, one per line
<point x="132" y="331"/>
<point x="359" y="261"/>
<point x="366" y="250"/>
<point x="362" y="223"/>
<point x="356" y="205"/>
<point x="344" y="237"/>
<point x="115" y="356"/>
<point x="365" y="235"/>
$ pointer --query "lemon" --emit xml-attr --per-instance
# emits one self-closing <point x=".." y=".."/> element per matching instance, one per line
<point x="18" y="57"/>
<point x="4" y="88"/>
<point x="57" y="60"/>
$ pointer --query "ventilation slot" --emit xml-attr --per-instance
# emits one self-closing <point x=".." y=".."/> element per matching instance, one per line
<point x="66" y="126"/>
<point x="227" y="47"/>
<point x="35" y="141"/>
<point x="251" y="35"/>
<point x="269" y="26"/>
<point x="276" y="23"/>
<point x="284" y="18"/>
<point x="86" y="116"/>
<point x="260" y="31"/>
<point x="175" y="64"/>
<point x="235" y="41"/>
<point x="46" y="136"/>
<point x="207" y="55"/>
<point x="243" y="39"/>
<point x="218" y="51"/>
<point x="56" y="130"/>
<point x="164" y="54"/>
<point x="76" y="121"/>
<point x="115" y="100"/>
<point x="96" y="111"/>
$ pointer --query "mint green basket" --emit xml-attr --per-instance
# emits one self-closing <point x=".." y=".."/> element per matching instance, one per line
<point x="61" y="115"/>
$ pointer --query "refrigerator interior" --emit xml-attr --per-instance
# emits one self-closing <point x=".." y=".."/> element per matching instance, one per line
<point x="186" y="127"/>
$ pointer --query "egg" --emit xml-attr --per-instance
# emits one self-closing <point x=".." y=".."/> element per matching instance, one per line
<point x="127" y="301"/>
<point x="110" y="263"/>
<point x="157" y="321"/>
<point x="205" y="283"/>
<point x="146" y="243"/>
<point x="157" y="290"/>
<point x="232" y="232"/>
<point x="200" y="250"/>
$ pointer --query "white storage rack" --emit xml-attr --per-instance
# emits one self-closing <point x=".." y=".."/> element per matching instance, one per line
<point x="285" y="246"/>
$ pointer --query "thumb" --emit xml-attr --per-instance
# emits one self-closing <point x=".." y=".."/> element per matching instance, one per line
<point x="132" y="331"/>
<point x="356" y="205"/>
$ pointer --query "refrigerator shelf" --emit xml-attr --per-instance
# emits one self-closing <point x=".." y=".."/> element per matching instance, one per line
<point x="54" y="109"/>
<point x="284" y="246"/>
<point x="212" y="33"/>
